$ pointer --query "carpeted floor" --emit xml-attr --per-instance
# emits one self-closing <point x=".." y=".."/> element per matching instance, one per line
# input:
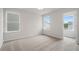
<point x="41" y="43"/>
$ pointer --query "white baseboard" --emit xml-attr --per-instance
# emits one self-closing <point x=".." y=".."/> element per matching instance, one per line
<point x="53" y="36"/>
<point x="18" y="38"/>
<point x="1" y="43"/>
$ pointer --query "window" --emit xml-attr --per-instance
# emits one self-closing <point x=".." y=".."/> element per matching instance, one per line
<point x="46" y="22"/>
<point x="69" y="23"/>
<point x="13" y="22"/>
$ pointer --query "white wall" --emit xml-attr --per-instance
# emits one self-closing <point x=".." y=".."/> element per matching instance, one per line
<point x="1" y="27"/>
<point x="57" y="22"/>
<point x="56" y="25"/>
<point x="31" y="25"/>
<point x="78" y="25"/>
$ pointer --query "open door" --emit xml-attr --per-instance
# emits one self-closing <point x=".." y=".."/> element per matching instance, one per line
<point x="1" y="27"/>
<point x="70" y="24"/>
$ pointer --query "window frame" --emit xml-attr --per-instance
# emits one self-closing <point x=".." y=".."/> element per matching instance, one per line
<point x="49" y="24"/>
<point x="72" y="22"/>
<point x="15" y="13"/>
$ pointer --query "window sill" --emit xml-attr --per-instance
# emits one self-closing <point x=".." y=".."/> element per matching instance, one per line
<point x="12" y="31"/>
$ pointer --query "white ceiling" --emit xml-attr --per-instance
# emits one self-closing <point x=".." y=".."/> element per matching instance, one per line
<point x="41" y="12"/>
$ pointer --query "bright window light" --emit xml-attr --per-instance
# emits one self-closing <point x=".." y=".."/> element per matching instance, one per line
<point x="46" y="22"/>
<point x="69" y="23"/>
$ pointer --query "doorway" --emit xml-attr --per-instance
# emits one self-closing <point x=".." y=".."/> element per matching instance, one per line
<point x="69" y="28"/>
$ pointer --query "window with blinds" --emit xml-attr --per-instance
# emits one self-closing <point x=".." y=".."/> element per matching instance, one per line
<point x="13" y="22"/>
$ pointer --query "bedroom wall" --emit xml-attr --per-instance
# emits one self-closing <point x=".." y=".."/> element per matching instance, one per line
<point x="1" y="27"/>
<point x="56" y="29"/>
<point x="31" y="24"/>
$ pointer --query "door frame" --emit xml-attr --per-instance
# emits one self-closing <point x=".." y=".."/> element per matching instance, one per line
<point x="75" y="16"/>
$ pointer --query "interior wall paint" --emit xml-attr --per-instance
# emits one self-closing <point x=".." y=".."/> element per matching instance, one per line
<point x="55" y="29"/>
<point x="57" y="22"/>
<point x="31" y="24"/>
<point x="1" y="27"/>
<point x="78" y="26"/>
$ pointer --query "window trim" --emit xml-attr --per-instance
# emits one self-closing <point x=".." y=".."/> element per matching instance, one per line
<point x="73" y="23"/>
<point x="15" y="13"/>
<point x="46" y="23"/>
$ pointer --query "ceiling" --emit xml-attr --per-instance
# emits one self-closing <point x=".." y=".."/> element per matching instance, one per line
<point x="41" y="12"/>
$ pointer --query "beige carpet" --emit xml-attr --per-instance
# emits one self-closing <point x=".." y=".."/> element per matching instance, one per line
<point x="40" y="43"/>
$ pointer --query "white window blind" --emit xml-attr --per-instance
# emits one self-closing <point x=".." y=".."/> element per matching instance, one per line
<point x="13" y="22"/>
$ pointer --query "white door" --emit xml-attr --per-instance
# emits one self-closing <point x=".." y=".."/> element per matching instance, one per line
<point x="1" y="27"/>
